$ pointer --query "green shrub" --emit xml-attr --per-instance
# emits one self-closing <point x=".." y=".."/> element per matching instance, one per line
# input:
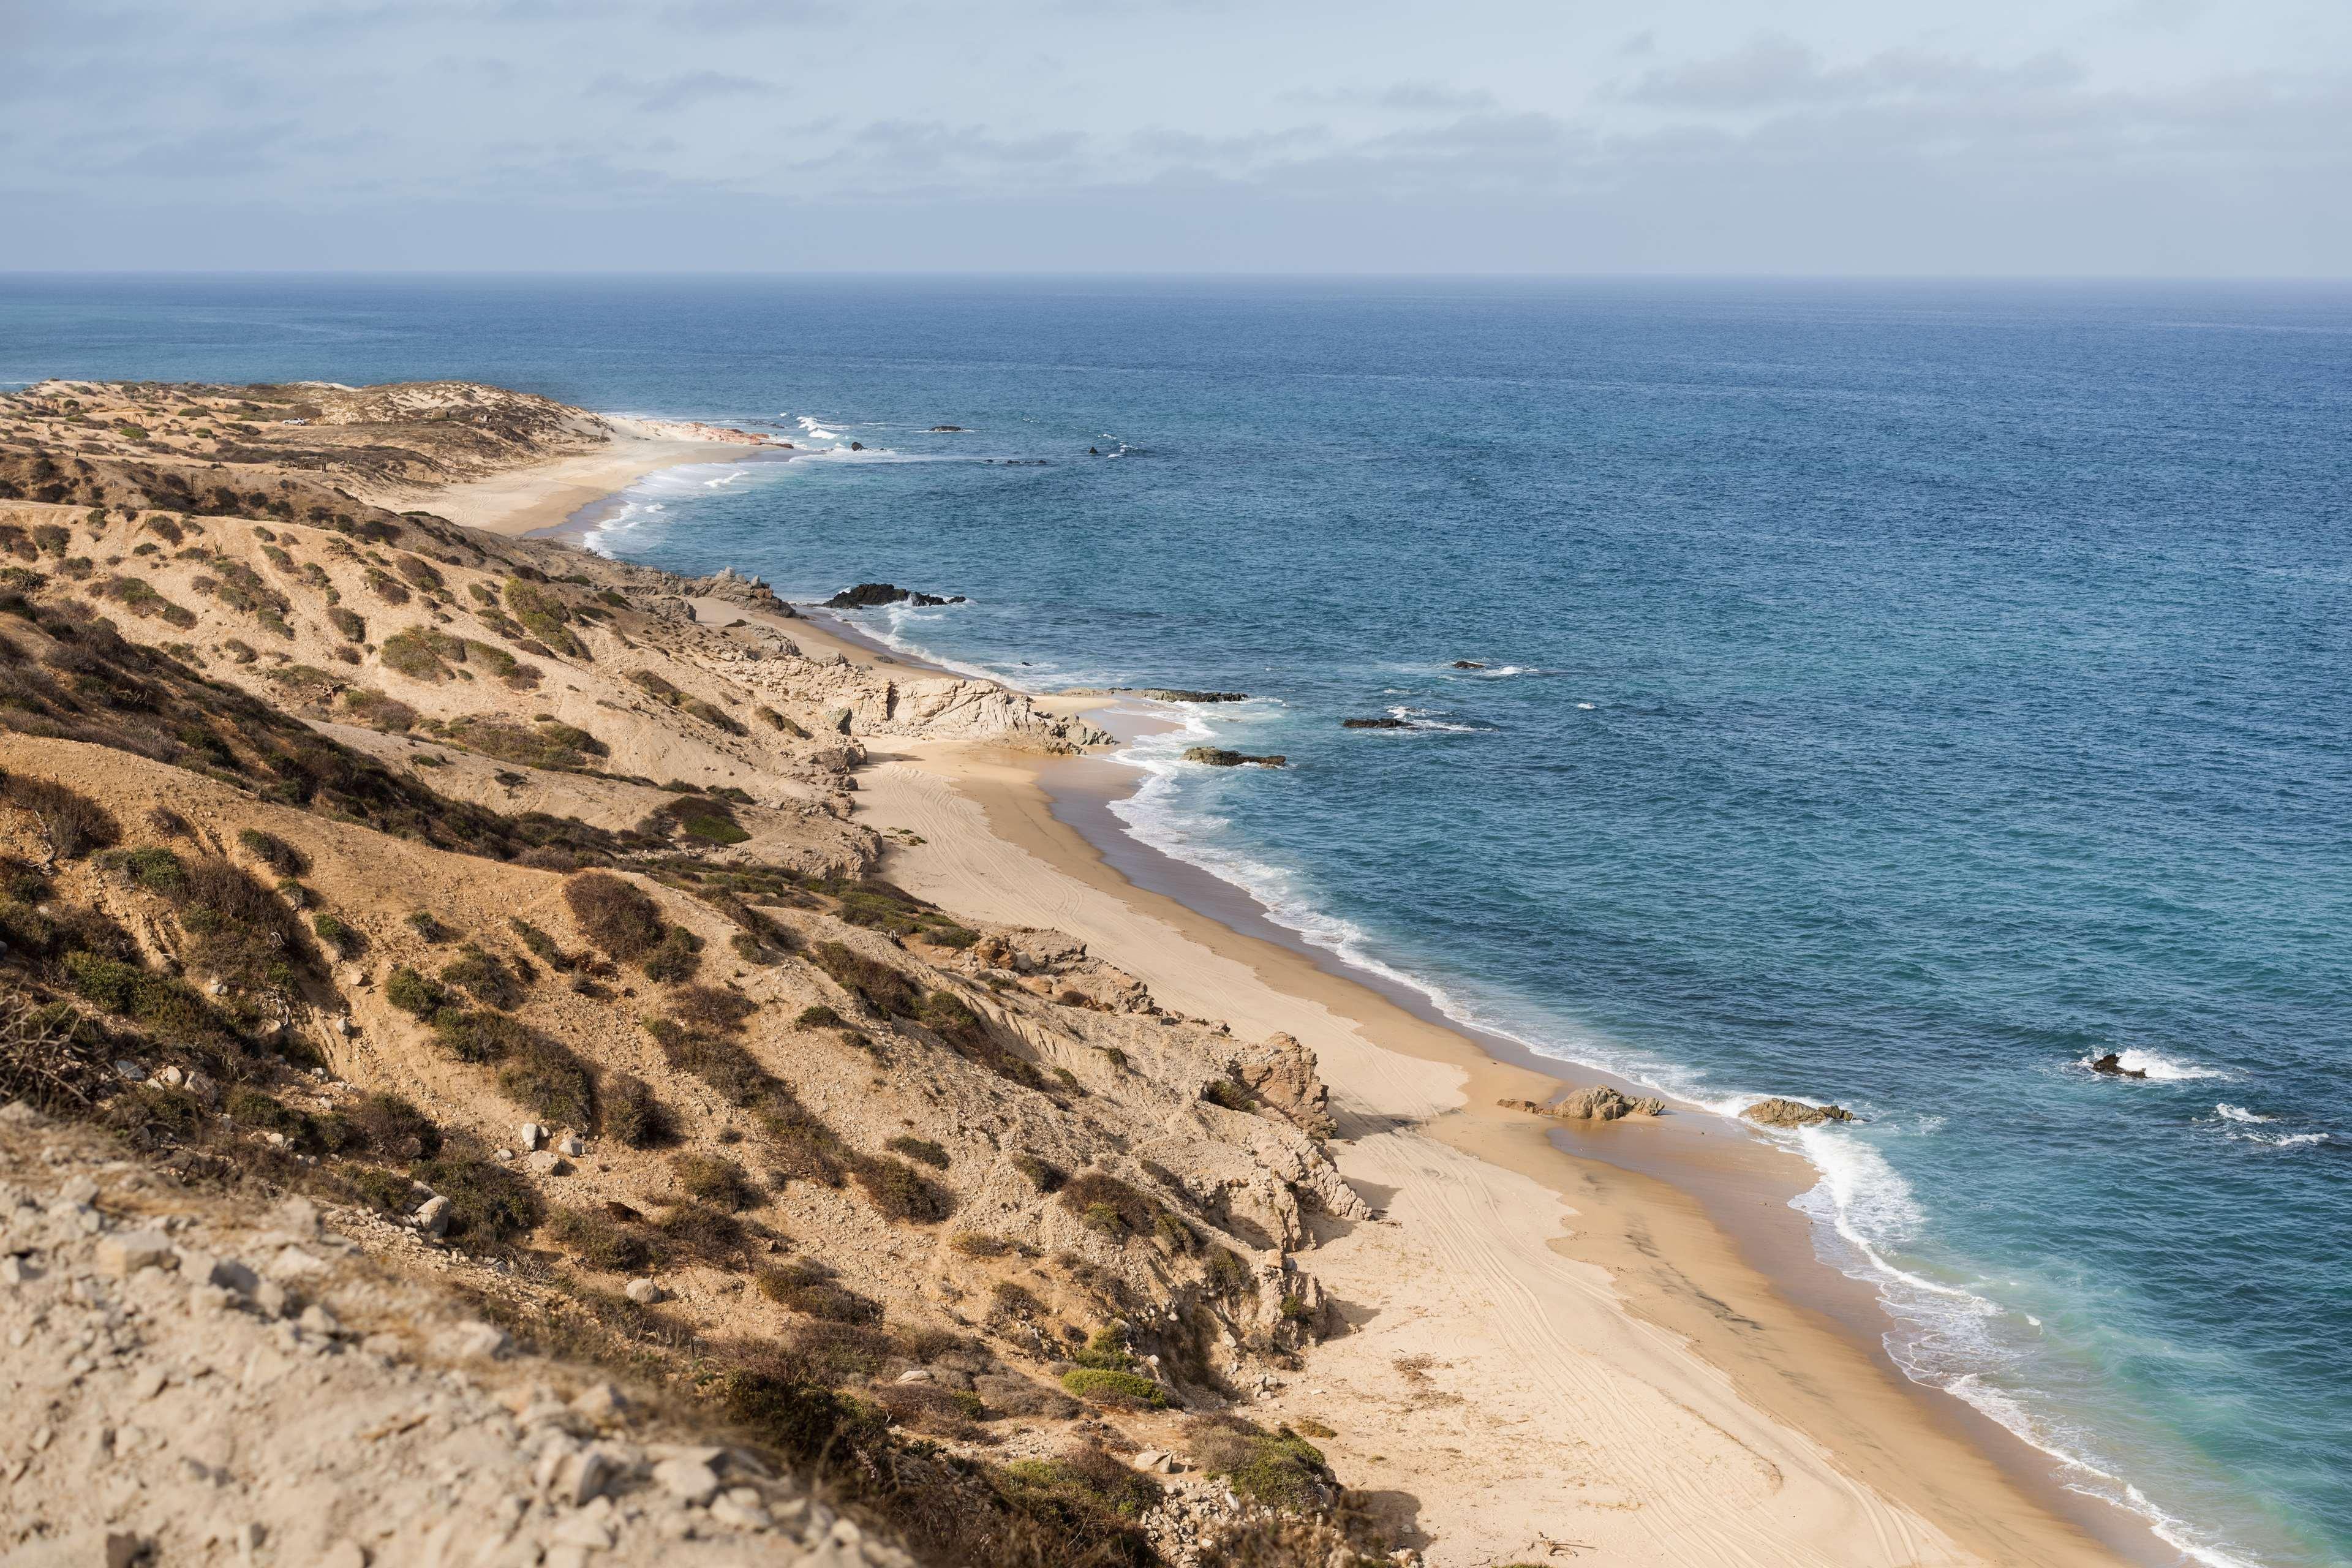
<point x="488" y="1204"/>
<point x="1278" y="1470"/>
<point x="429" y="929"/>
<point x="377" y="711"/>
<point x="483" y="977"/>
<point x="1085" y="1479"/>
<point x="1107" y="1204"/>
<point x="1125" y="1389"/>
<point x="721" y="1063"/>
<point x="1106" y="1350"/>
<point x="877" y="985"/>
<point x="677" y="958"/>
<point x="477" y="1034"/>
<point x="410" y="991"/>
<point x="345" y="938"/>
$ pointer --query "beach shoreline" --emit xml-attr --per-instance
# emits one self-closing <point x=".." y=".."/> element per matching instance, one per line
<point x="563" y="494"/>
<point x="1684" y="1221"/>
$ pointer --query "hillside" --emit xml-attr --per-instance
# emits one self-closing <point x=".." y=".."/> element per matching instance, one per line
<point x="504" y="911"/>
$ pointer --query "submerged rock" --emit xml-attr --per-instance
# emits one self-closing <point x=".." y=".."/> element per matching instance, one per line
<point x="2113" y="1065"/>
<point x="1385" y="721"/>
<point x="1778" y="1112"/>
<point x="946" y="430"/>
<point x="1178" y="694"/>
<point x="1218" y="757"/>
<point x="1468" y="664"/>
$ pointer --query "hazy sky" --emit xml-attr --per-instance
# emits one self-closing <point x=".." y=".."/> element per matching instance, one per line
<point x="2170" y="137"/>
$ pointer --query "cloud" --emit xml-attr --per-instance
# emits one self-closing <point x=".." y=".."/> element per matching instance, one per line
<point x="679" y="91"/>
<point x="1773" y="70"/>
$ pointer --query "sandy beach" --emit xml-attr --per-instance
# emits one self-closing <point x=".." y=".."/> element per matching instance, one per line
<point x="1553" y="1354"/>
<point x="523" y="501"/>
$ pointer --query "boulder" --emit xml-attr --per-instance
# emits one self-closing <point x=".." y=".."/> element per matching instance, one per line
<point x="1778" y="1112"/>
<point x="2113" y="1065"/>
<point x="1385" y="721"/>
<point x="1281" y="1072"/>
<point x="1468" y="664"/>
<point x="1597" y="1103"/>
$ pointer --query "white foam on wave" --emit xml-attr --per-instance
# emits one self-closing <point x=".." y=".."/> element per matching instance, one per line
<point x="2239" y="1113"/>
<point x="2157" y="1068"/>
<point x="900" y="628"/>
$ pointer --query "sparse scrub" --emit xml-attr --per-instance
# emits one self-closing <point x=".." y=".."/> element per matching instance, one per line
<point x="274" y="852"/>
<point x="677" y="958"/>
<point x="600" y="1241"/>
<point x="489" y="1204"/>
<point x="483" y="976"/>
<point x="345" y="938"/>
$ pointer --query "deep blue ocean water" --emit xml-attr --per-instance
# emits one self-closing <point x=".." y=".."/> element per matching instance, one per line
<point x="1896" y="694"/>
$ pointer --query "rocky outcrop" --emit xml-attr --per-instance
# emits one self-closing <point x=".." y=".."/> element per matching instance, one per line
<point x="2112" y="1066"/>
<point x="871" y="596"/>
<point x="1280" y="1072"/>
<point x="750" y="591"/>
<point x="1385" y="721"/>
<point x="1598" y="1103"/>
<point x="1218" y="757"/>
<point x="1792" y="1113"/>
<point x="1180" y="694"/>
<point x="1468" y="664"/>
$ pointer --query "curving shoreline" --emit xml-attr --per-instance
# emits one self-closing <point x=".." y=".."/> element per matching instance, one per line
<point x="1539" y="1269"/>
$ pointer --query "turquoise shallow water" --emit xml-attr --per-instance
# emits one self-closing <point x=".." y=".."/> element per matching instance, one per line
<point x="1894" y="694"/>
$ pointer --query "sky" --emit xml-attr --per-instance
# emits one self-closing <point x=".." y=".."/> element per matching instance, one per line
<point x="2047" y="138"/>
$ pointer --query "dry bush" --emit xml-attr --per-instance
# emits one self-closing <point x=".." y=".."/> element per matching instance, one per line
<point x="70" y="822"/>
<point x="634" y="1116"/>
<point x="617" y="916"/>
<point x="41" y="1061"/>
<point x="806" y="1286"/>
<point x="543" y="1075"/>
<point x="898" y="1191"/>
<point x="715" y="1180"/>
<point x="711" y="1007"/>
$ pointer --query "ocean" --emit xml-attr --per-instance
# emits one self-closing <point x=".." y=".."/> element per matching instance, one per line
<point x="1891" y="694"/>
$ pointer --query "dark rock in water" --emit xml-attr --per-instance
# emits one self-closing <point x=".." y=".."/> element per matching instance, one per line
<point x="1177" y="694"/>
<point x="2113" y="1065"/>
<point x="866" y="596"/>
<point x="1092" y="452"/>
<point x="1468" y="664"/>
<point x="946" y="430"/>
<point x="858" y="445"/>
<point x="1385" y="721"/>
<point x="1217" y="757"/>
